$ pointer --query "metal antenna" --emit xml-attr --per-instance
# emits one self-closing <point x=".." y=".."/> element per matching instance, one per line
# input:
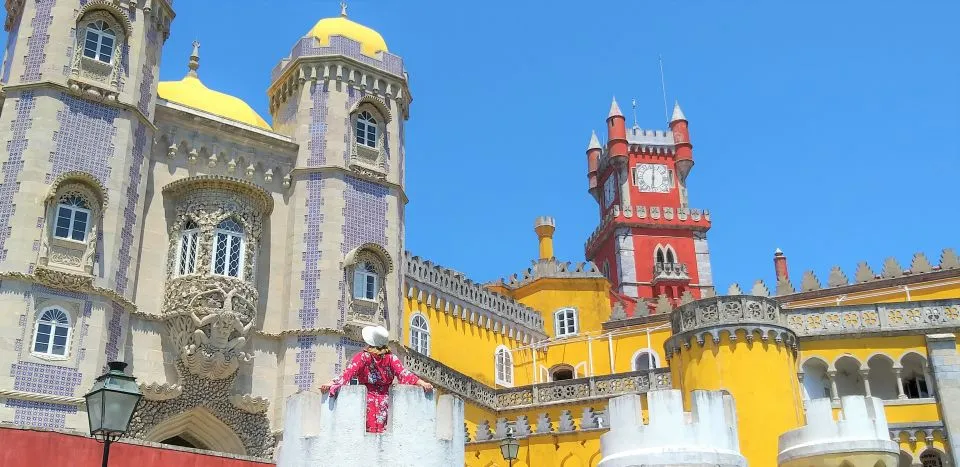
<point x="634" y="103"/>
<point x="663" y="88"/>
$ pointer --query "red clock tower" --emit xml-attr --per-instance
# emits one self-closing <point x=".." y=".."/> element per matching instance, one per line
<point x="649" y="242"/>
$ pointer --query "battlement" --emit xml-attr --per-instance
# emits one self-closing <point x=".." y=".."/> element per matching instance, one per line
<point x="705" y="436"/>
<point x="319" y="430"/>
<point x="668" y="217"/>
<point x="550" y="269"/>
<point x="454" y="293"/>
<point x="639" y="136"/>
<point x="860" y="435"/>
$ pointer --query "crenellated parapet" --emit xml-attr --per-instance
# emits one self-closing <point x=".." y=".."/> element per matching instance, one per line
<point x="858" y="437"/>
<point x="649" y="216"/>
<point x="550" y="269"/>
<point x="755" y="317"/>
<point x="455" y="294"/>
<point x="705" y="436"/>
<point x="421" y="432"/>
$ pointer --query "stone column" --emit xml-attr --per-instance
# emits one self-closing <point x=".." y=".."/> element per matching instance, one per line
<point x="834" y="394"/>
<point x="803" y="389"/>
<point x="944" y="362"/>
<point x="866" y="381"/>
<point x="899" y="373"/>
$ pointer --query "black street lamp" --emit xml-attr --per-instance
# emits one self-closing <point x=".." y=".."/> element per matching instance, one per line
<point x="110" y="405"/>
<point x="509" y="448"/>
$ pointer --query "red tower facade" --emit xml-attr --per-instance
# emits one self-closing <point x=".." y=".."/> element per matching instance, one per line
<point x="649" y="243"/>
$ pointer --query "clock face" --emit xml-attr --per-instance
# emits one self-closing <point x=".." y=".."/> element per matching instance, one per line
<point x="609" y="190"/>
<point x="654" y="178"/>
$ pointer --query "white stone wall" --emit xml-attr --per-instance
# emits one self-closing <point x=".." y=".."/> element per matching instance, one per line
<point x="707" y="436"/>
<point x="859" y="437"/>
<point x="421" y="432"/>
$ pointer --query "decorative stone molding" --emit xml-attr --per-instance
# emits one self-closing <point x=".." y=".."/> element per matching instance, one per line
<point x="67" y="281"/>
<point x="917" y="431"/>
<point x="728" y="314"/>
<point x="249" y="404"/>
<point x="558" y="392"/>
<point x="646" y="216"/>
<point x="920" y="316"/>
<point x="363" y="312"/>
<point x="160" y="391"/>
<point x="469" y="300"/>
<point x="859" y="436"/>
<point x="552" y="269"/>
<point x="90" y="77"/>
<point x="705" y="436"/>
<point x="66" y="254"/>
<point x="37" y="397"/>
<point x="420" y="432"/>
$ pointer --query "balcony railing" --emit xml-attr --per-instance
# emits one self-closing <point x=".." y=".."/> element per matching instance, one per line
<point x="670" y="272"/>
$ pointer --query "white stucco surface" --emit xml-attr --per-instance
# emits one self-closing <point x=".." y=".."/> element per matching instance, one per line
<point x="705" y="437"/>
<point x="421" y="432"/>
<point x="860" y="435"/>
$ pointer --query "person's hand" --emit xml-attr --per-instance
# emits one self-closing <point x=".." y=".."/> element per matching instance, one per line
<point x="426" y="386"/>
<point x="324" y="388"/>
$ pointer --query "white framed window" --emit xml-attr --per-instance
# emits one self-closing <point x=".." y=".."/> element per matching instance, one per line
<point x="228" y="248"/>
<point x="645" y="359"/>
<point x="503" y="366"/>
<point x="565" y="322"/>
<point x="99" y="42"/>
<point x="73" y="219"/>
<point x="365" y="279"/>
<point x="420" y="334"/>
<point x="187" y="253"/>
<point x="931" y="458"/>
<point x="366" y="129"/>
<point x="52" y="334"/>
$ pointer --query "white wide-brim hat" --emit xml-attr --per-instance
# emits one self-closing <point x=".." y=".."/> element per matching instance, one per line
<point x="375" y="336"/>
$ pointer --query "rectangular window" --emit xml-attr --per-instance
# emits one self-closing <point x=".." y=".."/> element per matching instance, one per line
<point x="79" y="225"/>
<point x="90" y="45"/>
<point x="106" y="47"/>
<point x="64" y="215"/>
<point x="43" y="338"/>
<point x="371" y="287"/>
<point x="59" y="341"/>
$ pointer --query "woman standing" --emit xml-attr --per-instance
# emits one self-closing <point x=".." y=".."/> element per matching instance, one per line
<point x="375" y="367"/>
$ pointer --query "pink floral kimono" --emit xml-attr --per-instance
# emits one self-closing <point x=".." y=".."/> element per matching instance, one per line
<point x="376" y="372"/>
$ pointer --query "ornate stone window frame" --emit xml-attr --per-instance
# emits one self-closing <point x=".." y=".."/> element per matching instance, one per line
<point x="36" y="330"/>
<point x="187" y="236"/>
<point x="208" y="200"/>
<point x="231" y="236"/>
<point x="66" y="254"/>
<point x="92" y="77"/>
<point x="363" y="310"/>
<point x="361" y="155"/>
<point x="42" y="303"/>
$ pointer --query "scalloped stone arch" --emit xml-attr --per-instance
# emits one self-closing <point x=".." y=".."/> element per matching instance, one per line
<point x="861" y="364"/>
<point x="815" y="358"/>
<point x="113" y="10"/>
<point x="377" y="104"/>
<point x="376" y="250"/>
<point x="892" y="361"/>
<point x="899" y="360"/>
<point x="82" y="178"/>
<point x="202" y="426"/>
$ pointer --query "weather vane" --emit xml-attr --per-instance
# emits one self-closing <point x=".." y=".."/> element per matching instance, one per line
<point x="343" y="9"/>
<point x="634" y="103"/>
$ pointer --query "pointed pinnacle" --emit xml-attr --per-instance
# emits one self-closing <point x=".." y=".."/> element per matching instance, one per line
<point x="778" y="252"/>
<point x="677" y="113"/>
<point x="615" y="109"/>
<point x="594" y="142"/>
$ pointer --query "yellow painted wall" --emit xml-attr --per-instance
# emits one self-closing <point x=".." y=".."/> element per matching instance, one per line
<point x="581" y="449"/>
<point x="761" y="377"/>
<point x="917" y="447"/>
<point x="933" y="290"/>
<point x="591" y="298"/>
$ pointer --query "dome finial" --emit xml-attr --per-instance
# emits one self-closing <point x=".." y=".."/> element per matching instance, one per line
<point x="194" y="62"/>
<point x="343" y="9"/>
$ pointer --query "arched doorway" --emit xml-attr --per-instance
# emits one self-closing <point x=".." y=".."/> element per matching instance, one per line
<point x="198" y="429"/>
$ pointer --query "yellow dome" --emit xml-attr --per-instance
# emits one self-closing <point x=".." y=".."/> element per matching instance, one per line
<point x="370" y="41"/>
<point x="191" y="92"/>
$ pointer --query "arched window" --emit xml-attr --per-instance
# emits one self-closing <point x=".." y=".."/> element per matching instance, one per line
<point x="365" y="281"/>
<point x="670" y="258"/>
<point x="645" y="359"/>
<point x="565" y="322"/>
<point x="420" y="334"/>
<point x="187" y="258"/>
<point x="73" y="218"/>
<point x="914" y="380"/>
<point x="52" y="333"/>
<point x="931" y="458"/>
<point x="99" y="41"/>
<point x="660" y="258"/>
<point x="366" y="129"/>
<point x="228" y="249"/>
<point x="562" y="372"/>
<point x="503" y="367"/>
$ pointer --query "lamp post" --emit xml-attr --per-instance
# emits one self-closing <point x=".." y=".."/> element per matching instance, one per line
<point x="509" y="448"/>
<point x="110" y="405"/>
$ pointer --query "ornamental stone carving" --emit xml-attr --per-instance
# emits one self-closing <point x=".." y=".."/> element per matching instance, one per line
<point x="83" y="191"/>
<point x="362" y="312"/>
<point x="727" y="315"/>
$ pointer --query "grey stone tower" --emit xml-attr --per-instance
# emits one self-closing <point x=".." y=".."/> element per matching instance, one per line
<point x="343" y="98"/>
<point x="79" y="91"/>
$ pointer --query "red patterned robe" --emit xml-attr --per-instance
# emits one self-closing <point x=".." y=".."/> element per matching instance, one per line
<point x="376" y="372"/>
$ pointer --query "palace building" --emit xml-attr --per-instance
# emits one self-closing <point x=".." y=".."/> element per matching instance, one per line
<point x="231" y="258"/>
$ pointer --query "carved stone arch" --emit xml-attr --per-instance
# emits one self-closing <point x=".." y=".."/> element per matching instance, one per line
<point x="116" y="16"/>
<point x="860" y="363"/>
<point x="367" y="250"/>
<point x="883" y="355"/>
<point x="85" y="71"/>
<point x="70" y="254"/>
<point x="77" y="177"/>
<point x="814" y="358"/>
<point x="378" y="106"/>
<point x="201" y="425"/>
<point x="899" y="360"/>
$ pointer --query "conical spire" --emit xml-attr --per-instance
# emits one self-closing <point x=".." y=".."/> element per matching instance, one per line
<point x="677" y="113"/>
<point x="594" y="142"/>
<point x="194" y="62"/>
<point x="615" y="109"/>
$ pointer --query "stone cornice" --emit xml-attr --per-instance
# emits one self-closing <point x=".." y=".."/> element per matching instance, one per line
<point x="216" y="123"/>
<point x="37" y="397"/>
<point x="883" y="283"/>
<point x="68" y="281"/>
<point x="200" y="182"/>
<point x="144" y="120"/>
<point x="635" y="321"/>
<point x="885" y="319"/>
<point x="303" y="173"/>
<point x="755" y="316"/>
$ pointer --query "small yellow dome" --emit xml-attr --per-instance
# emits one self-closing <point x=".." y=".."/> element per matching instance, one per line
<point x="370" y="41"/>
<point x="191" y="92"/>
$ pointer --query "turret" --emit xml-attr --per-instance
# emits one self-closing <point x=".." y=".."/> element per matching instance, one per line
<point x="544" y="226"/>
<point x="780" y="266"/>
<point x="616" y="131"/>
<point x="593" y="164"/>
<point x="681" y="137"/>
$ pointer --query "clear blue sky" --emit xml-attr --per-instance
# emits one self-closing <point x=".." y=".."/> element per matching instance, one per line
<point x="828" y="129"/>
